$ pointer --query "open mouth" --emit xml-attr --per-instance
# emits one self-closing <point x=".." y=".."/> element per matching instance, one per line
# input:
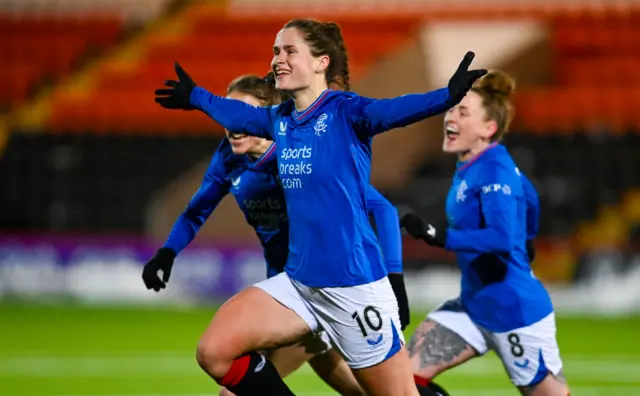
<point x="236" y="137"/>
<point x="281" y="73"/>
<point x="451" y="133"/>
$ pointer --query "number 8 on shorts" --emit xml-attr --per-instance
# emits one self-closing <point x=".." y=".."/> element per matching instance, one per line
<point x="529" y="353"/>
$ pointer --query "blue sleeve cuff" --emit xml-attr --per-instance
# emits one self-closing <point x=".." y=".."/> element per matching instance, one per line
<point x="193" y="98"/>
<point x="451" y="236"/>
<point x="394" y="266"/>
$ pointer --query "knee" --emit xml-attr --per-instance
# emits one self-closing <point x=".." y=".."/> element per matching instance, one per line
<point x="213" y="360"/>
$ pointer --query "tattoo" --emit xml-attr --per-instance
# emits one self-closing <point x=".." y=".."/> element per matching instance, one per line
<point x="436" y="345"/>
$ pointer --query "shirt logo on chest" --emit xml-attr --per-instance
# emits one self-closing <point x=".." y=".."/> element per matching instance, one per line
<point x="460" y="194"/>
<point x="235" y="182"/>
<point x="321" y="126"/>
<point x="283" y="129"/>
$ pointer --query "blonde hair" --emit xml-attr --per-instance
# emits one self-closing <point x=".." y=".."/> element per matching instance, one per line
<point x="495" y="89"/>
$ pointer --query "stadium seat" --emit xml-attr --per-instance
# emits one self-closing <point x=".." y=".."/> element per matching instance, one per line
<point x="214" y="49"/>
<point x="41" y="48"/>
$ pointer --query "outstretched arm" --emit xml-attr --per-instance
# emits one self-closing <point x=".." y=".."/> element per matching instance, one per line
<point x="207" y="197"/>
<point x="234" y="115"/>
<point x="375" y="116"/>
<point x="201" y="205"/>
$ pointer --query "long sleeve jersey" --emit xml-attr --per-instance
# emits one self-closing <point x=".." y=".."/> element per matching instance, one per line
<point x="487" y="212"/>
<point x="324" y="162"/>
<point x="254" y="185"/>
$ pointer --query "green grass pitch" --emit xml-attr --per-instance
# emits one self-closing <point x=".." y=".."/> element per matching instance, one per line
<point x="76" y="350"/>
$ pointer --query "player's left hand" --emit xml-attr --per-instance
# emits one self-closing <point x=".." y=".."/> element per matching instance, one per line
<point x="462" y="80"/>
<point x="420" y="228"/>
<point x="161" y="261"/>
<point x="397" y="284"/>
<point x="179" y="94"/>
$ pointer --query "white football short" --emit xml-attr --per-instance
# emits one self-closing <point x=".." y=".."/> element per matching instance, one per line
<point x="528" y="353"/>
<point x="361" y="321"/>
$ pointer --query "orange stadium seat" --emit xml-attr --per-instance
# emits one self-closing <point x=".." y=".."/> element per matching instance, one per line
<point x="595" y="62"/>
<point x="47" y="47"/>
<point x="569" y="108"/>
<point x="214" y="51"/>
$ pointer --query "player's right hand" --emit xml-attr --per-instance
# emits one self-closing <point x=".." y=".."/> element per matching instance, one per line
<point x="163" y="261"/>
<point x="179" y="94"/>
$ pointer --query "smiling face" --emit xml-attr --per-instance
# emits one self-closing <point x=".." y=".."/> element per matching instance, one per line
<point x="466" y="127"/>
<point x="295" y="67"/>
<point x="240" y="142"/>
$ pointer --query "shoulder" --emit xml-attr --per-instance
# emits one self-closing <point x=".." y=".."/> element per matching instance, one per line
<point x="346" y="102"/>
<point x="348" y="99"/>
<point x="283" y="109"/>
<point x="499" y="172"/>
<point x="223" y="153"/>
<point x="374" y="195"/>
<point x="223" y="161"/>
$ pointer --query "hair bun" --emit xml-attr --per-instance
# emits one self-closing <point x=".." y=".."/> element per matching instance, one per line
<point x="496" y="82"/>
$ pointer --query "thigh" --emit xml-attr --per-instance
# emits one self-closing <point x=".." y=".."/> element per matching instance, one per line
<point x="254" y="319"/>
<point x="530" y="354"/>
<point x="392" y="377"/>
<point x="445" y="339"/>
<point x="552" y="385"/>
<point x="363" y="325"/>
<point x="361" y="321"/>
<point x="290" y="358"/>
<point x="335" y="372"/>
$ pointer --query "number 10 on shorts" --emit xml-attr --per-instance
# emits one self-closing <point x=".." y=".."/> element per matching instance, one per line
<point x="372" y="318"/>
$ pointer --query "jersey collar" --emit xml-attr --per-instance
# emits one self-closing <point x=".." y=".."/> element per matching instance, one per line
<point x="264" y="158"/>
<point x="300" y="117"/>
<point x="462" y="165"/>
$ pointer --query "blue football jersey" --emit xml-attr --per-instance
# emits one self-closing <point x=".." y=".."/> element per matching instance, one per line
<point x="255" y="187"/>
<point x="258" y="193"/>
<point x="324" y="161"/>
<point x="487" y="211"/>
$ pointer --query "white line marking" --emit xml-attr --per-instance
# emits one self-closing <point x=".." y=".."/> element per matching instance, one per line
<point x="609" y="368"/>
<point x="305" y="393"/>
<point x="581" y="390"/>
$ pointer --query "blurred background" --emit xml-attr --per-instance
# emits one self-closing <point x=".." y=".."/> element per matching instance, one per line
<point x="93" y="173"/>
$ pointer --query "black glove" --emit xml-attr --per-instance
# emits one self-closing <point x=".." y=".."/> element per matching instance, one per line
<point x="531" y="250"/>
<point x="179" y="96"/>
<point x="419" y="228"/>
<point x="397" y="284"/>
<point x="163" y="260"/>
<point x="462" y="80"/>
